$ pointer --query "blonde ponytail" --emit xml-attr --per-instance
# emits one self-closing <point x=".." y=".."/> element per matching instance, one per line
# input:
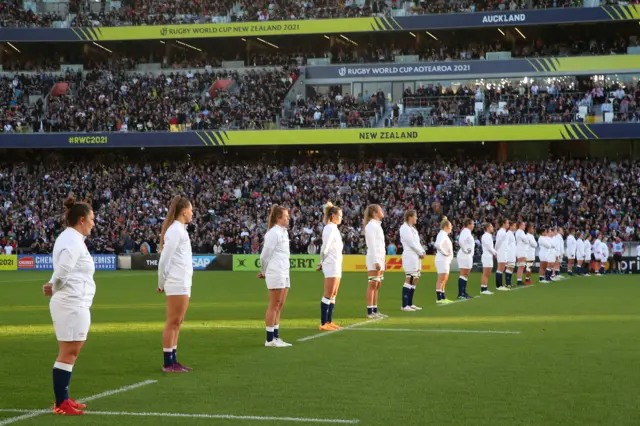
<point x="329" y="210"/>
<point x="178" y="204"/>
<point x="369" y="212"/>
<point x="444" y="223"/>
<point x="275" y="212"/>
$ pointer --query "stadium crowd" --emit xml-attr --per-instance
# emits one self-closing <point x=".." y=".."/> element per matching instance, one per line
<point x="556" y="102"/>
<point x="116" y="101"/>
<point x="231" y="197"/>
<point x="154" y="12"/>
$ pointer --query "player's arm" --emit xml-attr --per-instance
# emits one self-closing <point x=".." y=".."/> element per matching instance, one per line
<point x="326" y="244"/>
<point x="169" y="248"/>
<point x="65" y="264"/>
<point x="270" y="243"/>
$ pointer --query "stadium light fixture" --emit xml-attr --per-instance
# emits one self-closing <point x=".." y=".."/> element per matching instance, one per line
<point x="243" y="39"/>
<point x="14" y="48"/>
<point x="327" y="37"/>
<point x="519" y="32"/>
<point x="414" y="36"/>
<point x="102" y="47"/>
<point x="501" y="32"/>
<point x="349" y="40"/>
<point x="266" y="42"/>
<point x="162" y="42"/>
<point x="432" y="36"/>
<point x="188" y="45"/>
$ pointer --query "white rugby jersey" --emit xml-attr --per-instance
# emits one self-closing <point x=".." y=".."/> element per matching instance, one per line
<point x="487" y="245"/>
<point x="175" y="266"/>
<point x="374" y="237"/>
<point x="410" y="240"/>
<point x="467" y="243"/>
<point x="73" y="270"/>
<point x="274" y="259"/>
<point x="332" y="245"/>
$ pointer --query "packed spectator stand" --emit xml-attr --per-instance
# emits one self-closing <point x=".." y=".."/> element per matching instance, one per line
<point x="130" y="193"/>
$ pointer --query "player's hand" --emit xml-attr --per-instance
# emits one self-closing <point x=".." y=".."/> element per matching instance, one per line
<point x="421" y="256"/>
<point x="319" y="267"/>
<point x="378" y="267"/>
<point x="47" y="289"/>
<point x="160" y="290"/>
<point x="260" y="275"/>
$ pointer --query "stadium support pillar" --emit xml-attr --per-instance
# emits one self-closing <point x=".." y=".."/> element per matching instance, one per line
<point x="502" y="152"/>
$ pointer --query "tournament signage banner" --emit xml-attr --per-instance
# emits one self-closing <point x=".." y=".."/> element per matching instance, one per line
<point x="8" y="262"/>
<point x="200" y="262"/>
<point x="44" y="262"/>
<point x="297" y="262"/>
<point x="518" y="18"/>
<point x="211" y="138"/>
<point x="483" y="69"/>
<point x="357" y="263"/>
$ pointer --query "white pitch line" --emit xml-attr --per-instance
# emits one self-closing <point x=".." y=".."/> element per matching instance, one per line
<point x="436" y="330"/>
<point x="457" y="301"/>
<point x="327" y="333"/>
<point x="520" y="288"/>
<point x="35" y="413"/>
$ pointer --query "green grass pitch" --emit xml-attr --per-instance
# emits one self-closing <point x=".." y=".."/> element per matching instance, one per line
<point x="571" y="359"/>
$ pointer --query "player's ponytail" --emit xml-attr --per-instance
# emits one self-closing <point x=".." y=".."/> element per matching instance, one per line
<point x="329" y="210"/>
<point x="444" y="223"/>
<point x="369" y="212"/>
<point x="74" y="210"/>
<point x="275" y="213"/>
<point x="178" y="204"/>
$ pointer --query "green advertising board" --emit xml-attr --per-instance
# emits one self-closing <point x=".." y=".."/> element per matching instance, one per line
<point x="251" y="262"/>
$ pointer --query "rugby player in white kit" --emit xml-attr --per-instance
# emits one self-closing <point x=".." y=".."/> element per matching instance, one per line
<point x="412" y="255"/>
<point x="465" y="257"/>
<point x="444" y="256"/>
<point x="375" y="259"/>
<point x="72" y="289"/>
<point x="330" y="264"/>
<point x="488" y="254"/>
<point x="274" y="269"/>
<point x="175" y="277"/>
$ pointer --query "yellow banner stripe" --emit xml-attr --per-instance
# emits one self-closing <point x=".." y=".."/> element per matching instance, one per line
<point x="210" y="139"/>
<point x="614" y="10"/>
<point x="607" y="12"/>
<point x="201" y="138"/>
<point x="623" y="11"/>
<point x="577" y="129"/>
<point x="533" y="65"/>
<point x="570" y="132"/>
<point x="587" y="128"/>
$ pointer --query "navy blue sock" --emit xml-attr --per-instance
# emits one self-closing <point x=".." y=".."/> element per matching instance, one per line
<point x="547" y="275"/>
<point x="276" y="331"/>
<point x="508" y="278"/>
<point x="460" y="286"/>
<point x="168" y="357"/>
<point x="519" y="281"/>
<point x="369" y="310"/>
<point x="484" y="288"/>
<point x="412" y="291"/>
<point x="332" y="306"/>
<point x="405" y="295"/>
<point x="438" y="295"/>
<point x="375" y="309"/>
<point x="324" y="311"/>
<point x="174" y="355"/>
<point x="61" y="379"/>
<point x="602" y="270"/>
<point x="498" y="279"/>
<point x="269" y="334"/>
